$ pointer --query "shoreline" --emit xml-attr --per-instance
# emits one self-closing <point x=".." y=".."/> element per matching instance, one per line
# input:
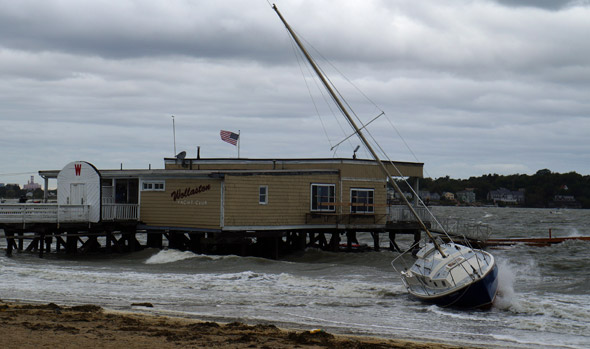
<point x="30" y="325"/>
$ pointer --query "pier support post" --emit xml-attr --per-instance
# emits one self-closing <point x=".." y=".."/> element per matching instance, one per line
<point x="71" y="243"/>
<point x="10" y="244"/>
<point x="34" y="245"/>
<point x="302" y="242"/>
<point x="20" y="240"/>
<point x="350" y="239"/>
<point x="48" y="242"/>
<point x="41" y="244"/>
<point x="392" y="244"/>
<point x="335" y="241"/>
<point x="154" y="239"/>
<point x="109" y="241"/>
<point x="375" y="235"/>
<point x="416" y="244"/>
<point x="322" y="241"/>
<point x="59" y="241"/>
<point x="90" y="245"/>
<point x="194" y="242"/>
<point x="275" y="244"/>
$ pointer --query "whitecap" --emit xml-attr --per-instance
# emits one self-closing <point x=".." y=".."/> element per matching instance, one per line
<point x="170" y="256"/>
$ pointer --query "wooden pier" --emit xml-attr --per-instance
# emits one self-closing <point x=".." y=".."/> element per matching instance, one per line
<point x="125" y="237"/>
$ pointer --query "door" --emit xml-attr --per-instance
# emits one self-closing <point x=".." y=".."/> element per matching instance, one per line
<point x="77" y="194"/>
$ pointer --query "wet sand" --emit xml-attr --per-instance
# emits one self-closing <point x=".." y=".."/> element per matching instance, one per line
<point x="90" y="326"/>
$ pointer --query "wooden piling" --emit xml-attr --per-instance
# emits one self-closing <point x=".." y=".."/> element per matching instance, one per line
<point x="9" y="242"/>
<point x="41" y="244"/>
<point x="335" y="241"/>
<point x="71" y="243"/>
<point x="154" y="239"/>
<point x="376" y="246"/>
<point x="392" y="244"/>
<point x="20" y="240"/>
<point x="351" y="239"/>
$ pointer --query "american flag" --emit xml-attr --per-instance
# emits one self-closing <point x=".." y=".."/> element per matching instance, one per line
<point x="229" y="137"/>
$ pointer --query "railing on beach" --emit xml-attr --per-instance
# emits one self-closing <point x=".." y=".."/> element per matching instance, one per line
<point x="470" y="229"/>
<point x="401" y="213"/>
<point x="454" y="226"/>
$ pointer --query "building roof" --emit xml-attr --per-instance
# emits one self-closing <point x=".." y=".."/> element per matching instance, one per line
<point x="233" y="167"/>
<point x="160" y="173"/>
<point x="251" y="161"/>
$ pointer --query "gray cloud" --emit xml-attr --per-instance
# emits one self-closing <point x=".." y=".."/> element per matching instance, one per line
<point x="544" y="4"/>
<point x="473" y="87"/>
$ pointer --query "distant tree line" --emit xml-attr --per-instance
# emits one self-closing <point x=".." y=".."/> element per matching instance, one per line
<point x="14" y="191"/>
<point x="540" y="188"/>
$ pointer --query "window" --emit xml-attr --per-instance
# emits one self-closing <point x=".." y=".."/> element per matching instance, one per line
<point x="153" y="186"/>
<point x="263" y="195"/>
<point x="322" y="195"/>
<point x="361" y="200"/>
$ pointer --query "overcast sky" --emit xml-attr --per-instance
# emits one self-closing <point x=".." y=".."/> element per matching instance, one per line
<point x="473" y="87"/>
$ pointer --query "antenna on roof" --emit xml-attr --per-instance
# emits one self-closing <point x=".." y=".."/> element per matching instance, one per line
<point x="180" y="156"/>
<point x="355" y="150"/>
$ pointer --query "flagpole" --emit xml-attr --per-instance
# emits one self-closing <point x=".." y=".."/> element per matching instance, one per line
<point x="239" y="141"/>
<point x="174" y="134"/>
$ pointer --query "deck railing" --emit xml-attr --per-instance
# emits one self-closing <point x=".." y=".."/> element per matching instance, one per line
<point x="401" y="213"/>
<point x="54" y="213"/>
<point x="43" y="213"/>
<point x="116" y="212"/>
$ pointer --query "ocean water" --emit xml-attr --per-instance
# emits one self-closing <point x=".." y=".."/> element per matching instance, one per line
<point x="543" y="300"/>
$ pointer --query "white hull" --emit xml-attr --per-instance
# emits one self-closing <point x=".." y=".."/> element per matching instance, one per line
<point x="464" y="277"/>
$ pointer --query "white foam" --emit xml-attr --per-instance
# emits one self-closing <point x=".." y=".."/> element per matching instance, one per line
<point x="170" y="256"/>
<point x="573" y="232"/>
<point x="506" y="298"/>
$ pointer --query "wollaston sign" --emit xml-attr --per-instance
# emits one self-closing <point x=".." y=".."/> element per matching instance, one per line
<point x="182" y="194"/>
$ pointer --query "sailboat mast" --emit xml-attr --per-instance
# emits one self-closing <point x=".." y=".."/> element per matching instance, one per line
<point x="356" y="128"/>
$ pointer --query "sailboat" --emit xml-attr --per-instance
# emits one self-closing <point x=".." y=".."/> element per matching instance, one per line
<point x="448" y="274"/>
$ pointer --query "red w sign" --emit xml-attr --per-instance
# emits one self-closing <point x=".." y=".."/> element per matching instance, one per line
<point x="78" y="169"/>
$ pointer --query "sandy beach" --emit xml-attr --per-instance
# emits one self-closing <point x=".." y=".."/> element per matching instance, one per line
<point x="90" y="326"/>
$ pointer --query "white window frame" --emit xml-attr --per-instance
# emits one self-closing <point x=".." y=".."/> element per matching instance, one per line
<point x="330" y="208"/>
<point x="364" y="209"/>
<point x="153" y="185"/>
<point x="261" y="200"/>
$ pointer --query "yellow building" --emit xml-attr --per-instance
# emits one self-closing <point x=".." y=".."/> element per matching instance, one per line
<point x="206" y="205"/>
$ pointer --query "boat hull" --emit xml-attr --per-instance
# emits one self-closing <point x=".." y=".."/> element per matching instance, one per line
<point x="479" y="294"/>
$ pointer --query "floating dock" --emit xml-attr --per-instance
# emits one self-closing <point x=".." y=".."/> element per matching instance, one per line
<point x="532" y="241"/>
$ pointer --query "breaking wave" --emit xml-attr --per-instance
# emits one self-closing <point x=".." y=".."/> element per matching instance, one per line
<point x="170" y="256"/>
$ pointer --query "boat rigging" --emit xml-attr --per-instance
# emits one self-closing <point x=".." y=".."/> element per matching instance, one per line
<point x="447" y="274"/>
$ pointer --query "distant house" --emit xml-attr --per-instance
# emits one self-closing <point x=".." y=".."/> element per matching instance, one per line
<point x="448" y="196"/>
<point x="426" y="195"/>
<point x="406" y="194"/>
<point x="506" y="196"/>
<point x="565" y="201"/>
<point x="466" y="196"/>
